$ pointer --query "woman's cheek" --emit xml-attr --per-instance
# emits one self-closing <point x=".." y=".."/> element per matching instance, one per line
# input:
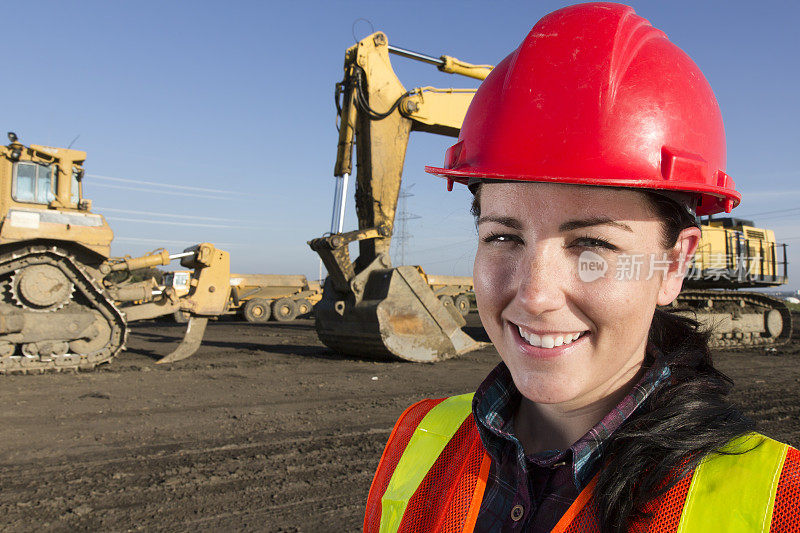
<point x="614" y="302"/>
<point x="493" y="275"/>
<point x="598" y="285"/>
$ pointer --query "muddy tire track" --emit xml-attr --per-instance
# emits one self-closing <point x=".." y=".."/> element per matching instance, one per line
<point x="264" y="429"/>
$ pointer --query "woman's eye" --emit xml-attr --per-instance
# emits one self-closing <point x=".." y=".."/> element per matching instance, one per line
<point x="501" y="238"/>
<point x="593" y="242"/>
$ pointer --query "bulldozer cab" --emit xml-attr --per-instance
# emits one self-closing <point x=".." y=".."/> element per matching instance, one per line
<point x="42" y="197"/>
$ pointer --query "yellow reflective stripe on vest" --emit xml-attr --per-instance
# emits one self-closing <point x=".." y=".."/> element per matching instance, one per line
<point x="735" y="493"/>
<point x="426" y="444"/>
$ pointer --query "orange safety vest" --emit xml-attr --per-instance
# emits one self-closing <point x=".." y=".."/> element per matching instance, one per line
<point x="443" y="490"/>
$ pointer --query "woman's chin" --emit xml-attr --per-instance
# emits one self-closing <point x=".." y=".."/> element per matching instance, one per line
<point x="545" y="389"/>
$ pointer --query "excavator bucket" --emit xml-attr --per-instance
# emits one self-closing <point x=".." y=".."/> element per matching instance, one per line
<point x="395" y="317"/>
<point x="190" y="343"/>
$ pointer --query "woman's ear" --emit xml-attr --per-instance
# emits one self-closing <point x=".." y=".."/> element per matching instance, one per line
<point x="681" y="255"/>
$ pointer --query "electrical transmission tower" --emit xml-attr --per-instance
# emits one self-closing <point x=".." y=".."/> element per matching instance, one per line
<point x="402" y="237"/>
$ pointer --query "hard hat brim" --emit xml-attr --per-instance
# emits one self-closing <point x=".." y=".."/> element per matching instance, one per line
<point x="712" y="199"/>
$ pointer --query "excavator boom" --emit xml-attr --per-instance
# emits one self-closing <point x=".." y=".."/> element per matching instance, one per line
<point x="369" y="308"/>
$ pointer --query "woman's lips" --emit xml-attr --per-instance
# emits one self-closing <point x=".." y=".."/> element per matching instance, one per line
<point x="546" y="344"/>
<point x="550" y="340"/>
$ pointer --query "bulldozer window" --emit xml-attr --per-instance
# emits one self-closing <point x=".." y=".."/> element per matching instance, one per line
<point x="33" y="183"/>
<point x="75" y="191"/>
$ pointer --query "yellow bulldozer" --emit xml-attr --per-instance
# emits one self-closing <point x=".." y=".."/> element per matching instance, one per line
<point x="66" y="303"/>
<point x="372" y="309"/>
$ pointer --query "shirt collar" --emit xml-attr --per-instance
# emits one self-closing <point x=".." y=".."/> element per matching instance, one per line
<point x="497" y="399"/>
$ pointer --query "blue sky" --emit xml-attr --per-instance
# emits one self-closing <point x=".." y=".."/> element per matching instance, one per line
<point x="211" y="121"/>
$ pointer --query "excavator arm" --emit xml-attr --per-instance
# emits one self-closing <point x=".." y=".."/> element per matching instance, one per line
<point x="377" y="116"/>
<point x="368" y="307"/>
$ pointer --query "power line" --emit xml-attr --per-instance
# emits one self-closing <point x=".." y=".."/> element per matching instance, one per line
<point x="448" y="245"/>
<point x="788" y="209"/>
<point x="167" y="185"/>
<point x="189" y="224"/>
<point x="453" y="261"/>
<point x="169" y="215"/>
<point x="780" y="174"/>
<point x="402" y="237"/>
<point x="151" y="191"/>
<point x="161" y="242"/>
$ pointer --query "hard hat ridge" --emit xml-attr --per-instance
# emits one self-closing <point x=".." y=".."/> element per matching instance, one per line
<point x="632" y="34"/>
<point x="595" y="95"/>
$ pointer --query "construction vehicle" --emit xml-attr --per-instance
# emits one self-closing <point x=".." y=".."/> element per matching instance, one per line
<point x="455" y="290"/>
<point x="368" y="307"/>
<point x="65" y="301"/>
<point x="258" y="297"/>
<point x="371" y="309"/>
<point x="734" y="255"/>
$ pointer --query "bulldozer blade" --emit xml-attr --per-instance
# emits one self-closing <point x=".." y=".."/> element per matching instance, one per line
<point x="190" y="343"/>
<point x="399" y="317"/>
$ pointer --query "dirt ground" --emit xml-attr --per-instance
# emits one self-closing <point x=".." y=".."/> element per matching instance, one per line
<point x="264" y="429"/>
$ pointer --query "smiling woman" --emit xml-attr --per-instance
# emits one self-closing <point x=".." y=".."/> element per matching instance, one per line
<point x="531" y="298"/>
<point x="590" y="151"/>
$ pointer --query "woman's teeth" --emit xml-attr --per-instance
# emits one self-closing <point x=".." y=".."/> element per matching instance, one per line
<point x="549" y="341"/>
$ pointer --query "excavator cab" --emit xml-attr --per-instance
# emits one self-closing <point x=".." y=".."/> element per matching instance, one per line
<point x="370" y="308"/>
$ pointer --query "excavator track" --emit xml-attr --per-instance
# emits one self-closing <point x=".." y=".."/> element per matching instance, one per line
<point x="88" y="296"/>
<point x="739" y="319"/>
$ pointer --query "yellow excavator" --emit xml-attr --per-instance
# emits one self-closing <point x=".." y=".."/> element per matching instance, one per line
<point x="374" y="310"/>
<point x="65" y="302"/>
<point x="370" y="308"/>
<point x="734" y="255"/>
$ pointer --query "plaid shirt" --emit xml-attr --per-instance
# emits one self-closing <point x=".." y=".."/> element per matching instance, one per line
<point x="531" y="493"/>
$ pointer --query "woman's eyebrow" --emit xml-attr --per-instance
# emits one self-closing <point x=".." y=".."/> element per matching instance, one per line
<point x="510" y="222"/>
<point x="595" y="221"/>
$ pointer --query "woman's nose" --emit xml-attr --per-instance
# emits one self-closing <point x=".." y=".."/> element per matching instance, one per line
<point x="540" y="283"/>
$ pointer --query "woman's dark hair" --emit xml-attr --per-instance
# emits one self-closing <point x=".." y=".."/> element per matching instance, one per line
<point x="680" y="423"/>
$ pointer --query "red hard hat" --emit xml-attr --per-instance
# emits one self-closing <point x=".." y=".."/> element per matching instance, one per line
<point x="595" y="95"/>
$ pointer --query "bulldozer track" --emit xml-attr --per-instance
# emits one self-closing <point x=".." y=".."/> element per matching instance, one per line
<point x="85" y="285"/>
<point x="753" y="301"/>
